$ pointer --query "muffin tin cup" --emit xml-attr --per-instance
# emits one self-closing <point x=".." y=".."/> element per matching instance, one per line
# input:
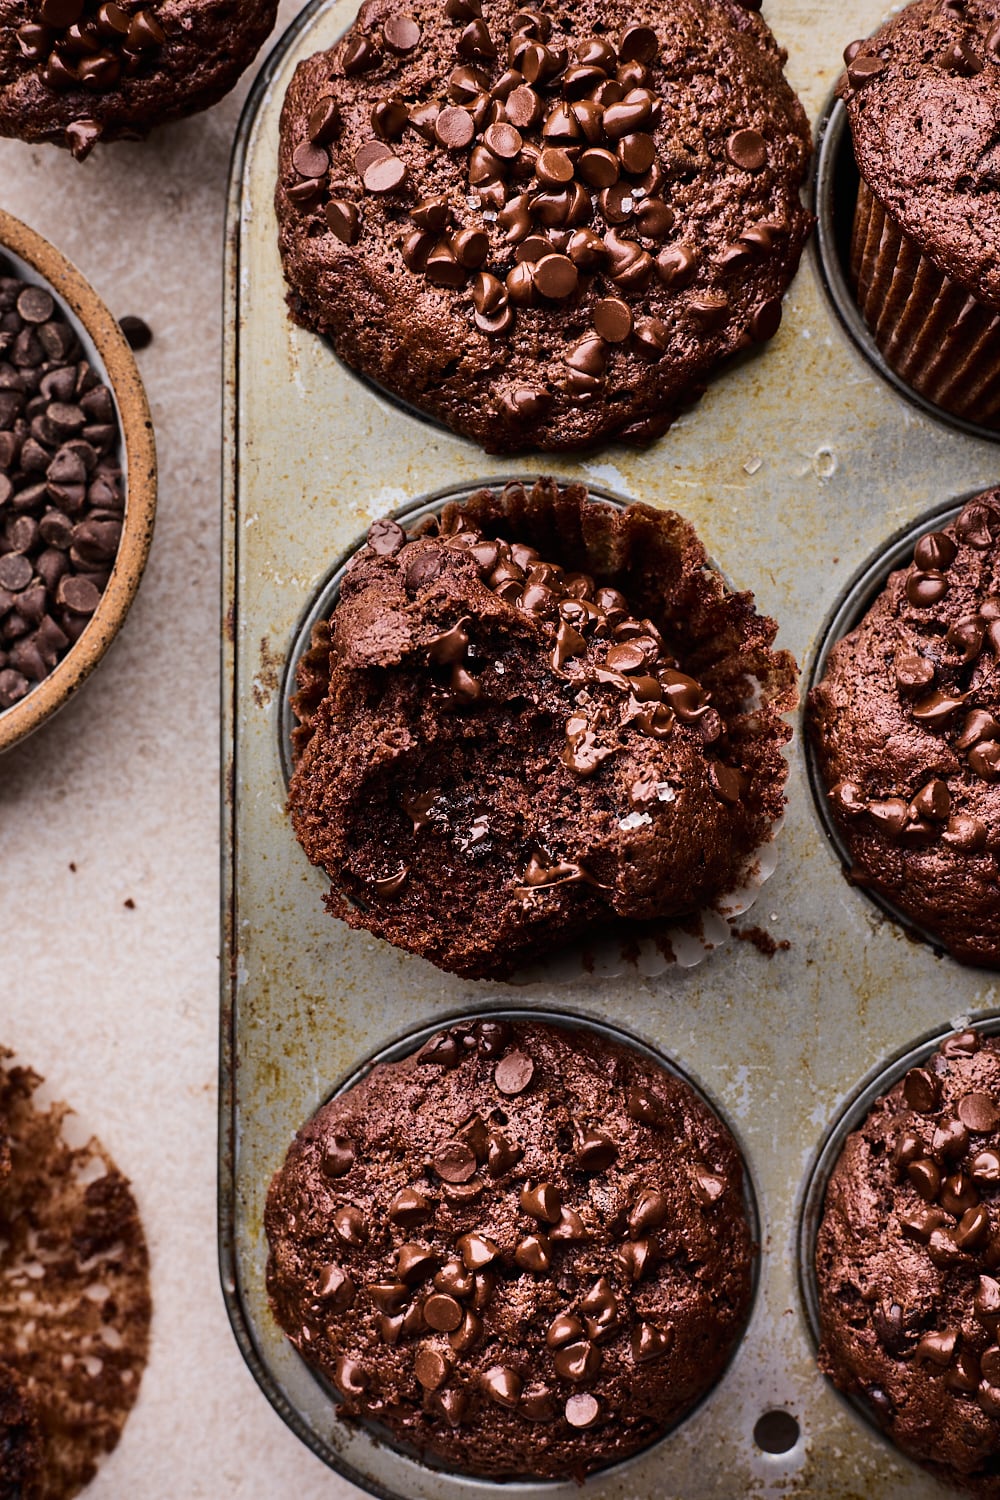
<point x="892" y="263"/>
<point x="855" y="1111"/>
<point x="400" y="1468"/>
<point x="793" y="469"/>
<point x="35" y="260"/>
<point x="684" y="943"/>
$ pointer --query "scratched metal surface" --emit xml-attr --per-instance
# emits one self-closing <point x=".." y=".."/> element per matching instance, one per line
<point x="795" y="468"/>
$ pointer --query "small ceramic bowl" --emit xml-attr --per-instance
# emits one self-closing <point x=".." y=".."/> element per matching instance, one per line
<point x="35" y="260"/>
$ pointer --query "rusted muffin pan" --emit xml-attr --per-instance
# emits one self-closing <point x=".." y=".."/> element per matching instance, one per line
<point x="797" y="469"/>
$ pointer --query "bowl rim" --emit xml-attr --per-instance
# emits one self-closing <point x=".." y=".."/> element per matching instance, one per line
<point x="86" y="308"/>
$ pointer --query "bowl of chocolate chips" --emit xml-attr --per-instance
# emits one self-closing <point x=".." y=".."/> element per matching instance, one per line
<point x="77" y="480"/>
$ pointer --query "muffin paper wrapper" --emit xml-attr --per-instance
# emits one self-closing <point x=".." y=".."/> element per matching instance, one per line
<point x="936" y="337"/>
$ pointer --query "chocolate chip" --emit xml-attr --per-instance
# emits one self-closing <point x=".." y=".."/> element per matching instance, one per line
<point x="442" y="1313"/>
<point x="648" y="1212"/>
<point x="477" y="1251"/>
<point x="542" y="1202"/>
<point x="577" y="1362"/>
<point x="454" y="1161"/>
<point x="385" y="538"/>
<point x="386" y="175"/>
<point x="502" y="1385"/>
<point x="343" y="219"/>
<point x="338" y="1154"/>
<point x="350" y="1378"/>
<point x="979" y="1113"/>
<point x="613" y="319"/>
<point x="431" y="1367"/>
<point x="401" y="33"/>
<point x="747" y="149"/>
<point x="454" y="128"/>
<point x="414" y="1263"/>
<point x="350" y="1226"/>
<point x="595" y="1152"/>
<point x="556" y="276"/>
<point x="514" y="1073"/>
<point x="138" y="334"/>
<point x="335" y="1287"/>
<point x="534" y="1253"/>
<point x="643" y="1106"/>
<point x="862" y="69"/>
<point x="650" y="1342"/>
<point x="582" y="1411"/>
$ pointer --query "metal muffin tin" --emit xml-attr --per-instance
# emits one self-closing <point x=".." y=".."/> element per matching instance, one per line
<point x="796" y="468"/>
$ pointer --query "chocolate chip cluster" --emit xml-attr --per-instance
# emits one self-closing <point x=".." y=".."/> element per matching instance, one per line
<point x="947" y="1154"/>
<point x="62" y="500"/>
<point x="442" y="1270"/>
<point x="564" y="187"/>
<point x="929" y="683"/>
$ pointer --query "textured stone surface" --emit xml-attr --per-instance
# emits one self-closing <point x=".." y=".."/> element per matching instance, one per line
<point x="523" y="1250"/>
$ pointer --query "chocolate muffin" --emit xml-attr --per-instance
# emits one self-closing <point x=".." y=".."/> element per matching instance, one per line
<point x="20" y="1458"/>
<point x="74" y="72"/>
<point x="908" y="1260"/>
<point x="540" y="715"/>
<point x="524" y="1250"/>
<point x="543" y="229"/>
<point x="906" y="729"/>
<point x="922" y="96"/>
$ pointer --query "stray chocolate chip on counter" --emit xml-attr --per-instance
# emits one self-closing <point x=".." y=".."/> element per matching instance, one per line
<point x="137" y="332"/>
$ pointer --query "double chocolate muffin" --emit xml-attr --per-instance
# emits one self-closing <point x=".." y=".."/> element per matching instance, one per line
<point x="540" y="715"/>
<point x="923" y="98"/>
<point x="20" y="1448"/>
<point x="543" y="228"/>
<point x="74" y="72"/>
<point x="523" y="1250"/>
<point x="908" y="1261"/>
<point x="906" y="728"/>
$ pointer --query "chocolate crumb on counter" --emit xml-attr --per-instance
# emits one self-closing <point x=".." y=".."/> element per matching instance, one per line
<point x="137" y="332"/>
<point x="522" y="1249"/>
<point x="62" y="494"/>
<point x="545" y="229"/>
<point x="762" y="940"/>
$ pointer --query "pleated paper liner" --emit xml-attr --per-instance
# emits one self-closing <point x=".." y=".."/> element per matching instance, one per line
<point x="931" y="331"/>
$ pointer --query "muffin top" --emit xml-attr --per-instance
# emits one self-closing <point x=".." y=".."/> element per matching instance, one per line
<point x="906" y="726"/>
<point x="908" y="1260"/>
<point x="77" y="71"/>
<point x="543" y="228"/>
<point x="500" y="749"/>
<point x="523" y="1249"/>
<point x="923" y="98"/>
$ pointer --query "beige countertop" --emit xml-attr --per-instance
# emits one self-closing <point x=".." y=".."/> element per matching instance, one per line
<point x="119" y="1007"/>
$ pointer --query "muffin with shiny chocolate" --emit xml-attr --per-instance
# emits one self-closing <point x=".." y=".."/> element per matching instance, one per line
<point x="923" y="97"/>
<point x="908" y="1261"/>
<point x="539" y="716"/>
<point x="523" y="1249"/>
<point x="544" y="229"/>
<point x="74" y="72"/>
<point x="906" y="728"/>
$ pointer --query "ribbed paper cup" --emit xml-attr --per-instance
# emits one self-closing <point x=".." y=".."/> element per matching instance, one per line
<point x="932" y="332"/>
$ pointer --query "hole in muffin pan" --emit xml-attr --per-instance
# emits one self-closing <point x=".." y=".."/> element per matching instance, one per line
<point x="776" y="1432"/>
<point x="857" y="598"/>
<point x="409" y="1042"/>
<point x="853" y="1112"/>
<point x="834" y="190"/>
